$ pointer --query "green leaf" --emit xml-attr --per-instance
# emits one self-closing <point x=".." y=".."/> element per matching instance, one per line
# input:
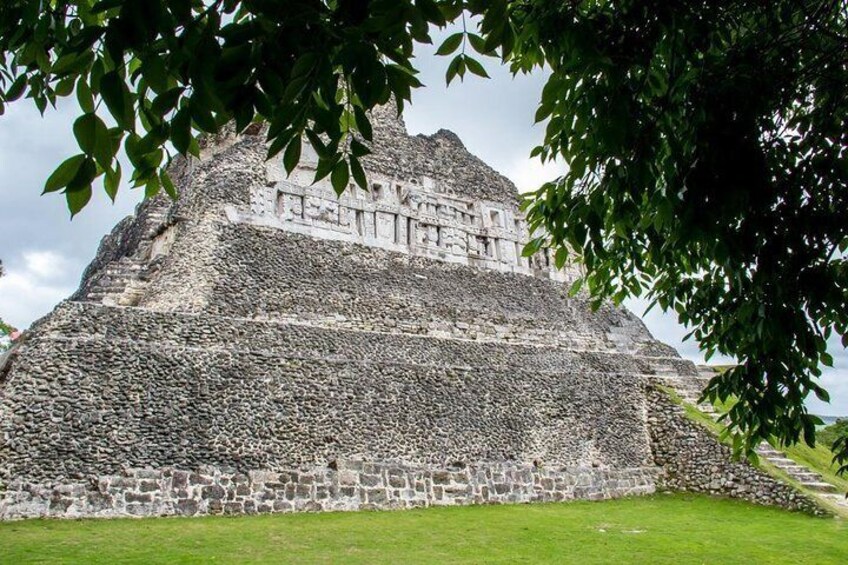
<point x="84" y="96"/>
<point x="827" y="359"/>
<point x="167" y="101"/>
<point x="115" y="93"/>
<point x="358" y="149"/>
<point x="17" y="88"/>
<point x="324" y="168"/>
<point x="64" y="174"/>
<point x="194" y="147"/>
<point x="478" y="44"/>
<point x="77" y="199"/>
<point x="168" y="185"/>
<point x="278" y="144"/>
<point x="318" y="145"/>
<point x="358" y="173"/>
<point x="94" y="139"/>
<point x="292" y="155"/>
<point x="450" y="44"/>
<point x="112" y="181"/>
<point x="363" y="124"/>
<point x="181" y="135"/>
<point x="475" y="67"/>
<point x="65" y="87"/>
<point x="152" y="186"/>
<point x="71" y="63"/>
<point x="202" y="116"/>
<point x="304" y="65"/>
<point x="574" y="290"/>
<point x="340" y="177"/>
<point x="155" y="73"/>
<point x="532" y="247"/>
<point x="85" y="130"/>
<point x="561" y="257"/>
<point x="453" y="69"/>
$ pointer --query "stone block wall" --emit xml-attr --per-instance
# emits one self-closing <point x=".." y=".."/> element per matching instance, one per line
<point x="343" y="486"/>
<point x="694" y="460"/>
<point x="294" y="278"/>
<point x="243" y="368"/>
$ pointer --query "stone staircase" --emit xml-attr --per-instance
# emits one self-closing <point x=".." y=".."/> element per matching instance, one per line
<point x="689" y="389"/>
<point x="121" y="283"/>
<point x="807" y="478"/>
<point x="122" y="280"/>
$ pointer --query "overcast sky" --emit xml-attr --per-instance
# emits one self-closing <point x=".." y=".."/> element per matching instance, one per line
<point x="44" y="252"/>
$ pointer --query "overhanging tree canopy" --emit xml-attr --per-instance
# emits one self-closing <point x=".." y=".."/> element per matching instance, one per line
<point x="706" y="140"/>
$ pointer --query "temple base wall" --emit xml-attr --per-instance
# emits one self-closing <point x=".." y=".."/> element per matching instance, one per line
<point x="351" y="485"/>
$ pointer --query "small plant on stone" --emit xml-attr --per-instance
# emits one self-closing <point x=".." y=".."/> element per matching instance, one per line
<point x="5" y="329"/>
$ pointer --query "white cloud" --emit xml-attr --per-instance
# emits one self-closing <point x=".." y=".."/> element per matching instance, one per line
<point x="33" y="285"/>
<point x="530" y="174"/>
<point x="46" y="265"/>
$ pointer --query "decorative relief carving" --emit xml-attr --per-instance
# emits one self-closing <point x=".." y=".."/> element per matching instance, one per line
<point x="409" y="216"/>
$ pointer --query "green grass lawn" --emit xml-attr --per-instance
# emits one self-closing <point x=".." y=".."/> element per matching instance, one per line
<point x="657" y="529"/>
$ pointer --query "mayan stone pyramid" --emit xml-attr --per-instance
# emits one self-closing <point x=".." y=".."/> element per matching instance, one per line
<point x="263" y="346"/>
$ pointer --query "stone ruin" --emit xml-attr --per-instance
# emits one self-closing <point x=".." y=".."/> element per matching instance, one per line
<point x="261" y="345"/>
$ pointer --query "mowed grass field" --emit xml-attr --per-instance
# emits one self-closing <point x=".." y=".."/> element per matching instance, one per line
<point x="657" y="529"/>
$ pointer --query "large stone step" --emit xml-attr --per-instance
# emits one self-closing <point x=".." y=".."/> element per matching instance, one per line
<point x="120" y="282"/>
<point x="766" y="450"/>
<point x="820" y="486"/>
<point x="808" y="477"/>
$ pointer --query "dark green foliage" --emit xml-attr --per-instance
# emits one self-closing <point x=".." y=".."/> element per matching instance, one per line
<point x="706" y="141"/>
<point x="165" y="70"/>
<point x="834" y="433"/>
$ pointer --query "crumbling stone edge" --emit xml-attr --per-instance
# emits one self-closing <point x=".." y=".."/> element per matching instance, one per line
<point x="693" y="459"/>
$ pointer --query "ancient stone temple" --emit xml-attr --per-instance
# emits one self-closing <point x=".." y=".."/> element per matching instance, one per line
<point x="261" y="345"/>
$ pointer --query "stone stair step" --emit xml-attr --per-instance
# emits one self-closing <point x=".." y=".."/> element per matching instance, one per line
<point x="790" y="469"/>
<point x="820" y="486"/>
<point x="808" y="477"/>
<point x="785" y="461"/>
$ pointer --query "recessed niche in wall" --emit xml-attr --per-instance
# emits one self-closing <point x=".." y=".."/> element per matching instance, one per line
<point x="495" y="216"/>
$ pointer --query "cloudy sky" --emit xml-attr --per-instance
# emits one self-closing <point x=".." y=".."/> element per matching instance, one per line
<point x="44" y="252"/>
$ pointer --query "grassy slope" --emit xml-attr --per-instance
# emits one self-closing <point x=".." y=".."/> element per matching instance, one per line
<point x="819" y="458"/>
<point x="658" y="529"/>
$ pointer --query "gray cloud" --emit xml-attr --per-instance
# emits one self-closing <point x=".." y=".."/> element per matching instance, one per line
<point x="37" y="228"/>
<point x="45" y="253"/>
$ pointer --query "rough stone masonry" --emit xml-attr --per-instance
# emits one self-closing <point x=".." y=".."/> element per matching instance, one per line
<point x="263" y="346"/>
